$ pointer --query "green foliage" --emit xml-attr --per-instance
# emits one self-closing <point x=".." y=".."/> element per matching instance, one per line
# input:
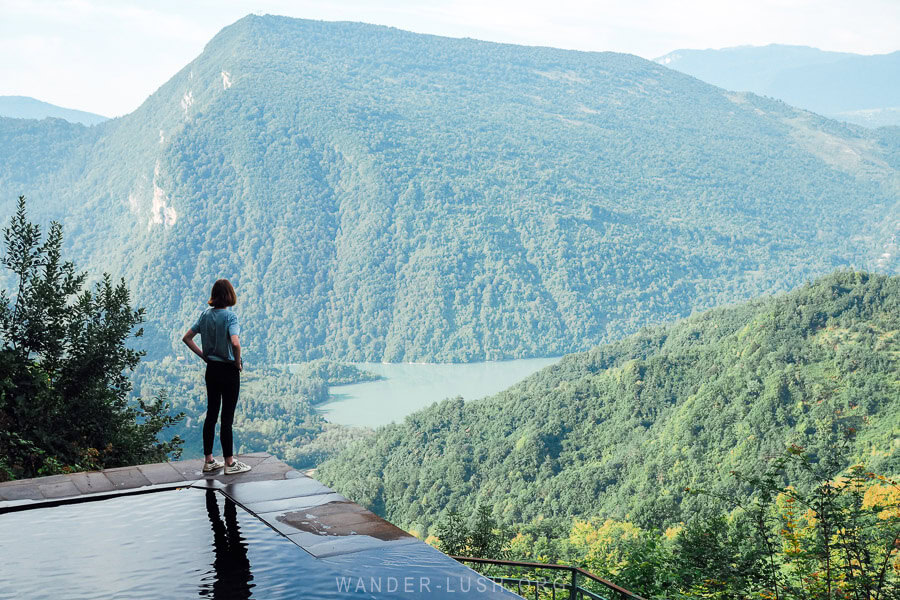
<point x="482" y="538"/>
<point x="63" y="366"/>
<point x="718" y="556"/>
<point x="621" y="552"/>
<point x="622" y="430"/>
<point x="486" y="539"/>
<point x="332" y="373"/>
<point x="382" y="195"/>
<point x="319" y="374"/>
<point x="453" y="534"/>
<point x="838" y="540"/>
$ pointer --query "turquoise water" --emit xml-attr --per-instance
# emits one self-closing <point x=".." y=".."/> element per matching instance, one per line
<point x="408" y="387"/>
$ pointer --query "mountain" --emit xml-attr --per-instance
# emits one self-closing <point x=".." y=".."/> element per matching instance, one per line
<point x="23" y="107"/>
<point x="623" y="429"/>
<point x="856" y="88"/>
<point x="382" y="195"/>
<point x="748" y="68"/>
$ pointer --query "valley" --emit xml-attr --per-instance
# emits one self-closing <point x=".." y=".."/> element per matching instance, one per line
<point x="624" y="429"/>
<point x="522" y="302"/>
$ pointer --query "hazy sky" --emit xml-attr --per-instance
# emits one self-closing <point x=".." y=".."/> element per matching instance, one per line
<point x="107" y="56"/>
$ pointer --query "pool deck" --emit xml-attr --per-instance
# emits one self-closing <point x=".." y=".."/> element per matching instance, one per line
<point x="56" y="487"/>
<point x="120" y="479"/>
<point x="326" y="525"/>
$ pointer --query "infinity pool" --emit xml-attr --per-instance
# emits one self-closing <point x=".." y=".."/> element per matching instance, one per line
<point x="173" y="544"/>
<point x="198" y="543"/>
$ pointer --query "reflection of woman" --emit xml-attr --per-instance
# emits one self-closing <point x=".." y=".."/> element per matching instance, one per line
<point x="219" y="330"/>
<point x="232" y="567"/>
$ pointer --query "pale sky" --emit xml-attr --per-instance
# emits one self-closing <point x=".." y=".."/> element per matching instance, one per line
<point x="107" y="56"/>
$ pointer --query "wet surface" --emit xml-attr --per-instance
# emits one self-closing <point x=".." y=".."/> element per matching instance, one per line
<point x="174" y="544"/>
<point x="329" y="524"/>
<point x="195" y="542"/>
<point x="336" y="518"/>
<point x="286" y="504"/>
<point x="411" y="571"/>
<point x="260" y="491"/>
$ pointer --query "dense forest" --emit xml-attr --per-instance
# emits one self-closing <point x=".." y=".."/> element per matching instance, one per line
<point x="382" y="195"/>
<point x="621" y="431"/>
<point x="831" y="534"/>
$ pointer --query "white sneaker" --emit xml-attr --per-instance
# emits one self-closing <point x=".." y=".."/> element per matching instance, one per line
<point x="215" y="465"/>
<point x="236" y="467"/>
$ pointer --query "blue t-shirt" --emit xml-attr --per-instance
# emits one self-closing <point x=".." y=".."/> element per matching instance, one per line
<point x="216" y="326"/>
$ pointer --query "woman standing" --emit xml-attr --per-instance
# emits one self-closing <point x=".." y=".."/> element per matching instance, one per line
<point x="219" y="330"/>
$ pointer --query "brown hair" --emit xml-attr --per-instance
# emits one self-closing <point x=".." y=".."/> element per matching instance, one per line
<point x="222" y="294"/>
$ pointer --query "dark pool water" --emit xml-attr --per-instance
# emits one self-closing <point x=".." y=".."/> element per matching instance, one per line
<point x="196" y="543"/>
<point x="186" y="543"/>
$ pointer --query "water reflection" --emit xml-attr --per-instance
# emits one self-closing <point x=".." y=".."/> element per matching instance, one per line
<point x="230" y="576"/>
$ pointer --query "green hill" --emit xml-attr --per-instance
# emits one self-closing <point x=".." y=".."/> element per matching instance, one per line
<point x="624" y="428"/>
<point x="382" y="195"/>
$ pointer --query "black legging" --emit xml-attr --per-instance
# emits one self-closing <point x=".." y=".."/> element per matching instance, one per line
<point x="223" y="383"/>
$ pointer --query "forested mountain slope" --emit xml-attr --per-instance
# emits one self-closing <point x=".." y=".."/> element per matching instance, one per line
<point x="383" y="195"/>
<point x="624" y="428"/>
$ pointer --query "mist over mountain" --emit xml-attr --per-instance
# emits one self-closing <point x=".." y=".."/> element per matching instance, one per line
<point x="23" y="107"/>
<point x="856" y="88"/>
<point x="383" y="195"/>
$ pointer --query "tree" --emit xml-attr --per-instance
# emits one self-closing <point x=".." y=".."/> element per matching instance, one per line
<point x="64" y="363"/>
<point x="836" y="535"/>
<point x="622" y="552"/>
<point x="484" y="539"/>
<point x="453" y="534"/>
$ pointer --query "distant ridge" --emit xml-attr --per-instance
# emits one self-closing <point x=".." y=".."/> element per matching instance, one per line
<point x="382" y="195"/>
<point x="861" y="89"/>
<point x="23" y="107"/>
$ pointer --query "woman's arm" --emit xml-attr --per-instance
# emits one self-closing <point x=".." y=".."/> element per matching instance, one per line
<point x="236" y="343"/>
<point x="189" y="340"/>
